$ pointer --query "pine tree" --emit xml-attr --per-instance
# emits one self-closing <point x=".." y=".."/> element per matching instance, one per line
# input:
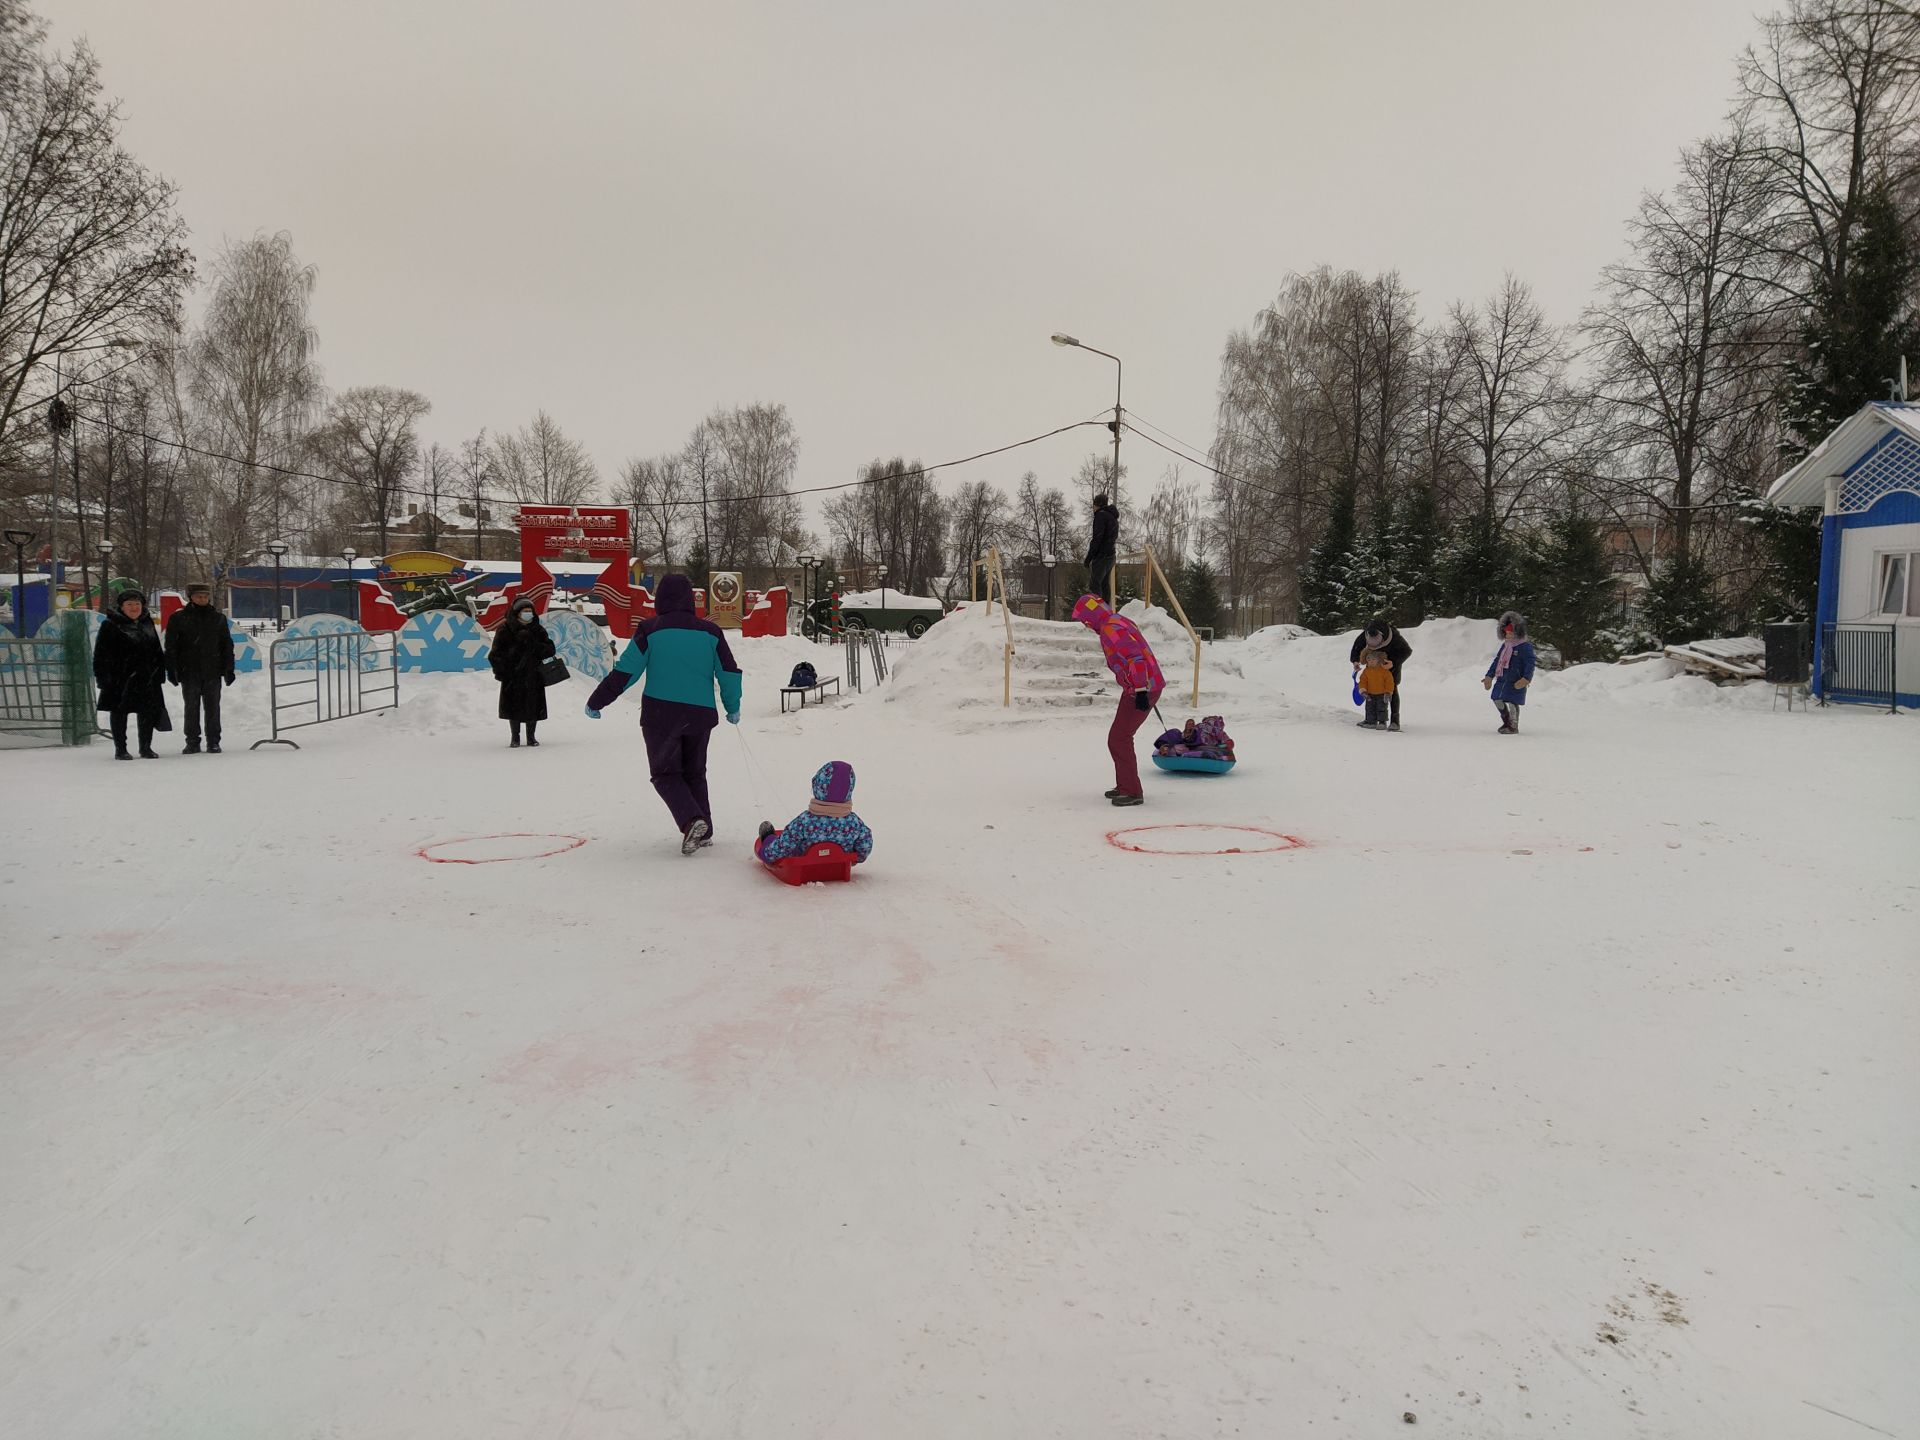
<point x="1416" y="552"/>
<point x="1570" y="600"/>
<point x="1679" y="605"/>
<point x="1478" y="569"/>
<point x="1199" y="591"/>
<point x="1323" y="603"/>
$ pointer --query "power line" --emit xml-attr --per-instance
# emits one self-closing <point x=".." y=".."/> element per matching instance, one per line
<point x="291" y="472"/>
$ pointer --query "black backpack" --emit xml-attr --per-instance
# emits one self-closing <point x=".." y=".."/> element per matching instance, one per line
<point x="803" y="677"/>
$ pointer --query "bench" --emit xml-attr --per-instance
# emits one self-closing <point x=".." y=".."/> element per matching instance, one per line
<point x="818" y="690"/>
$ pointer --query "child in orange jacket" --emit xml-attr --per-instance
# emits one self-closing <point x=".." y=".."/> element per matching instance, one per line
<point x="1376" y="683"/>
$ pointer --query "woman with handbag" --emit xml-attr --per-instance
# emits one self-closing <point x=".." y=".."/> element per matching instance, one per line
<point x="519" y="657"/>
<point x="130" y="667"/>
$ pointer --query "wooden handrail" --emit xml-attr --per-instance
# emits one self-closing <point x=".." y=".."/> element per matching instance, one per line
<point x="1152" y="567"/>
<point x="989" y="565"/>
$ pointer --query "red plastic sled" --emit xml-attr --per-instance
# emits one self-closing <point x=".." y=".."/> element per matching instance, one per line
<point x="822" y="862"/>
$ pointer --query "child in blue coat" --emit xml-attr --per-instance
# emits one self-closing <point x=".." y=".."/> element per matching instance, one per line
<point x="1511" y="672"/>
<point x="828" y="819"/>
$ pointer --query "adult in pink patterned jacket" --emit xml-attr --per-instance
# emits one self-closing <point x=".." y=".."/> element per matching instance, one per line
<point x="1131" y="660"/>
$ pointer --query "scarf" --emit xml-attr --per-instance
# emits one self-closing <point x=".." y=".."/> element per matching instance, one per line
<point x="1506" y="654"/>
<point x="831" y="809"/>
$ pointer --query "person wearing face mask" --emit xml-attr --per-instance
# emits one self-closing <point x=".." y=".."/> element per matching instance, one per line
<point x="130" y="667"/>
<point x="519" y="648"/>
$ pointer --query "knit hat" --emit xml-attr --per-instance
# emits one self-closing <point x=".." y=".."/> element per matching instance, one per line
<point x="199" y="587"/>
<point x="832" y="789"/>
<point x="132" y="592"/>
<point x="523" y="603"/>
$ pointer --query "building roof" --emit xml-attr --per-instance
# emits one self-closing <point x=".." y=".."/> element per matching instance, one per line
<point x="1861" y="438"/>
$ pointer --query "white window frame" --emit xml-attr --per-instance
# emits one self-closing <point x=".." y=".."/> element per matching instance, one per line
<point x="1910" y="561"/>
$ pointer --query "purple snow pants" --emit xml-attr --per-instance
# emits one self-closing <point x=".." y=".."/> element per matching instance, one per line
<point x="677" y="737"/>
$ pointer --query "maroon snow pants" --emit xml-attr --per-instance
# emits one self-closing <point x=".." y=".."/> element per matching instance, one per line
<point x="1127" y="721"/>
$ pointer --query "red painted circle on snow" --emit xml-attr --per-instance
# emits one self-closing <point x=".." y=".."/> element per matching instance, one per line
<point x="1276" y="841"/>
<point x="568" y="842"/>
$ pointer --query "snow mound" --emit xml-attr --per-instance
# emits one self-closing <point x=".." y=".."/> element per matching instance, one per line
<point x="893" y="600"/>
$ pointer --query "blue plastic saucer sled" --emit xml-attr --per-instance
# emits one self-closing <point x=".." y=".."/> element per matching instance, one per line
<point x="1358" y="698"/>
<point x="1193" y="764"/>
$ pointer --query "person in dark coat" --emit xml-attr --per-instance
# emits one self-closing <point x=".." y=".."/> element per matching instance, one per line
<point x="200" y="662"/>
<point x="1510" y="671"/>
<point x="1382" y="637"/>
<point x="130" y="667"/>
<point x="1101" y="548"/>
<point x="519" y="649"/>
<point x="681" y="661"/>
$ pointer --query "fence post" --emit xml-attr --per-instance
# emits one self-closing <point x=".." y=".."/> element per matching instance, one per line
<point x="77" y="719"/>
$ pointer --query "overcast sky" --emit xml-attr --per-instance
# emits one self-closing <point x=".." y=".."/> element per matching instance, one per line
<point x="875" y="211"/>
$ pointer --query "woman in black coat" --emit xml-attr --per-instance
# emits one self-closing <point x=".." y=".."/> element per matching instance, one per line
<point x="519" y="649"/>
<point x="130" y="667"/>
<point x="1380" y="636"/>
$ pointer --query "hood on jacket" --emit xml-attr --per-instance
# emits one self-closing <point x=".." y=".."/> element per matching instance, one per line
<point x="832" y="789"/>
<point x="524" y="604"/>
<point x="1091" y="611"/>
<point x="1378" y="632"/>
<point x="675" y="596"/>
<point x="1517" y="621"/>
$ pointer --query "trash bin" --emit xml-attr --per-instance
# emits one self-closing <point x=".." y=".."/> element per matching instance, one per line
<point x="1789" y="653"/>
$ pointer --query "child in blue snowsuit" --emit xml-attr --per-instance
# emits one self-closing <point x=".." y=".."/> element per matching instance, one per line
<point x="828" y="819"/>
<point x="1511" y="671"/>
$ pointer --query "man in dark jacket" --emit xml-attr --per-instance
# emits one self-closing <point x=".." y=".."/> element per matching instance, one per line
<point x="1100" y="550"/>
<point x="200" y="662"/>
<point x="1381" y="636"/>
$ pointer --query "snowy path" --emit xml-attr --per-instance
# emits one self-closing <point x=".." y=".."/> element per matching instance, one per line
<point x="1561" y="1086"/>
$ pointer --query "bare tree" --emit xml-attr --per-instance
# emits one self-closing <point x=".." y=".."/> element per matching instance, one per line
<point x="436" y="471"/>
<point x="90" y="247"/>
<point x="977" y="519"/>
<point x="1172" y="522"/>
<point x="540" y="465"/>
<point x="1515" y="410"/>
<point x="370" y="441"/>
<point x="752" y="452"/>
<point x="476" y="474"/>
<point x="658" y="494"/>
<point x="255" y="384"/>
<point x="1680" y="338"/>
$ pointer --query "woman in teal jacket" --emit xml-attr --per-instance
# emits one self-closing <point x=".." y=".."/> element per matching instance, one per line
<point x="683" y="660"/>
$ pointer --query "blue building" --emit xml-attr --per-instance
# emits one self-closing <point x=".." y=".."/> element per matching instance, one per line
<point x="1865" y="476"/>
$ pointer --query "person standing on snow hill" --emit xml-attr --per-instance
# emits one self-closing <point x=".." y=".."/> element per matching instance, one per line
<point x="1382" y="638"/>
<point x="200" y="662"/>
<point x="828" y="819"/>
<point x="1511" y="671"/>
<point x="130" y="668"/>
<point x="1101" y="548"/>
<point x="683" y="658"/>
<point x="520" y="647"/>
<point x="1131" y="660"/>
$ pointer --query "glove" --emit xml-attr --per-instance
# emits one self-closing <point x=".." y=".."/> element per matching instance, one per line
<point x="229" y="679"/>
<point x="1486" y="682"/>
<point x="1521" y="684"/>
<point x="733" y="717"/>
<point x="592" y="714"/>
<point x="1143" y="700"/>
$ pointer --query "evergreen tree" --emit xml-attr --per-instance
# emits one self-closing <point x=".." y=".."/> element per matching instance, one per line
<point x="1199" y="591"/>
<point x="1323" y="603"/>
<point x="1478" y="571"/>
<point x="1570" y="601"/>
<point x="698" y="565"/>
<point x="1679" y="606"/>
<point x="1416" y="554"/>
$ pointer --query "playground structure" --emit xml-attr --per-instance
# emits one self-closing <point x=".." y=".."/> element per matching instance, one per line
<point x="986" y="578"/>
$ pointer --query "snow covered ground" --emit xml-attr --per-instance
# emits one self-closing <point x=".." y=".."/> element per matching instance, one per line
<point x="1558" y="1085"/>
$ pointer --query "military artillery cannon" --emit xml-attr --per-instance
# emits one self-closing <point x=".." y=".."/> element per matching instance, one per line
<point x="439" y="593"/>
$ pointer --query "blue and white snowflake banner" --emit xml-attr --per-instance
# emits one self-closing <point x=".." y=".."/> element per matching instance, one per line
<point x="581" y="643"/>
<point x="442" y="642"/>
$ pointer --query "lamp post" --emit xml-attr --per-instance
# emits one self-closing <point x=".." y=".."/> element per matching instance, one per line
<point x="60" y="422"/>
<point x="277" y="548"/>
<point x="353" y="590"/>
<point x="806" y="589"/>
<point x="1049" y="561"/>
<point x="883" y="587"/>
<point x="20" y="539"/>
<point x="106" y="561"/>
<point x="1113" y="424"/>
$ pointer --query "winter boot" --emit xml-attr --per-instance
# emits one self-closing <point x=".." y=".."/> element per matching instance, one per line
<point x="1115" y="793"/>
<point x="1393" y="725"/>
<point x="121" y="753"/>
<point x="147" y="752"/>
<point x="696" y="836"/>
<point x="193" y="748"/>
<point x="1129" y="800"/>
<point x="213" y="747"/>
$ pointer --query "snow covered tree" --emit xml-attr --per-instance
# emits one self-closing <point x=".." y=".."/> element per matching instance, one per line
<point x="1198" y="587"/>
<point x="1679" y="604"/>
<point x="1477" y="568"/>
<point x="1323" y="584"/>
<point x="1569" y="590"/>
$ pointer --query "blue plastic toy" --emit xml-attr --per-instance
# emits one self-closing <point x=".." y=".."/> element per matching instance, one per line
<point x="1193" y="764"/>
<point x="1358" y="698"/>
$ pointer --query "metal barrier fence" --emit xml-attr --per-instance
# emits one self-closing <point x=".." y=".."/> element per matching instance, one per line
<point x="1857" y="665"/>
<point x="46" y="686"/>
<point x="318" y="678"/>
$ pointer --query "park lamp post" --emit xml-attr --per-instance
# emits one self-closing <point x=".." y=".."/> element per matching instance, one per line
<point x="20" y="539"/>
<point x="105" y="548"/>
<point x="1049" y="561"/>
<point x="1113" y="424"/>
<point x="883" y="587"/>
<point x="353" y="590"/>
<point x="806" y="586"/>
<point x="277" y="548"/>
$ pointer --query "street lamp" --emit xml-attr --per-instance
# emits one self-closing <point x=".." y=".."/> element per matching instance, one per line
<point x="883" y="587"/>
<point x="106" y="561"/>
<point x="806" y="586"/>
<point x="20" y="539"/>
<point x="60" y="422"/>
<point x="353" y="590"/>
<point x="1049" y="561"/>
<point x="277" y="548"/>
<point x="1113" y="424"/>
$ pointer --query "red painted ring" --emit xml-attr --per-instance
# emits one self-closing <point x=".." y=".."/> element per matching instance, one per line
<point x="1118" y="839"/>
<point x="574" y="842"/>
